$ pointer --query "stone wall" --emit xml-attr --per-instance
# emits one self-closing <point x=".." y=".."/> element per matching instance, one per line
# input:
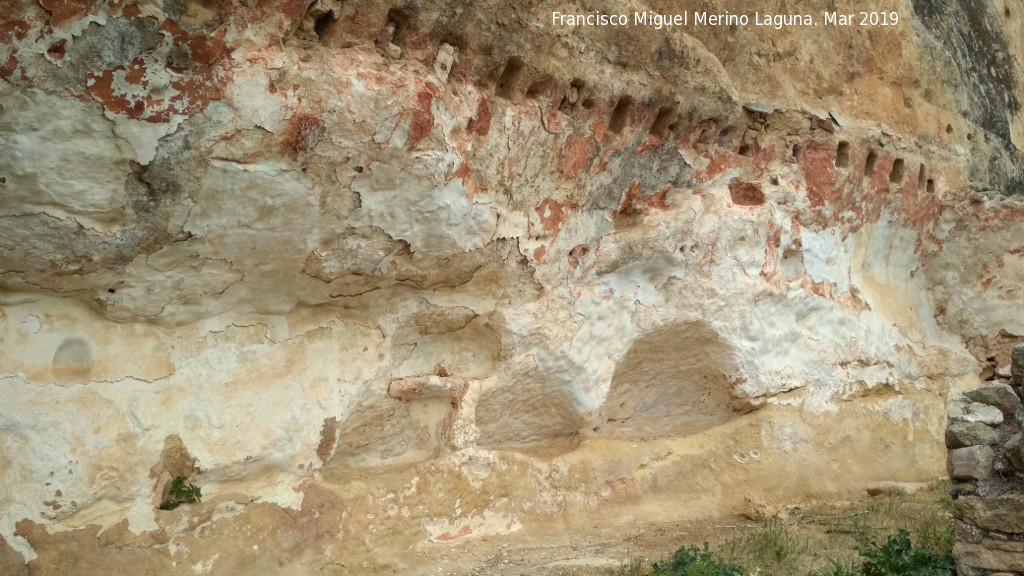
<point x="986" y="464"/>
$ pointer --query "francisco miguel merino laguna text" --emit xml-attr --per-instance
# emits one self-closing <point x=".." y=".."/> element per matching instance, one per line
<point x="659" y="21"/>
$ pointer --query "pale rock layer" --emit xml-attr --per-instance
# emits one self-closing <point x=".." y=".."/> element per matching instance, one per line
<point x="389" y="279"/>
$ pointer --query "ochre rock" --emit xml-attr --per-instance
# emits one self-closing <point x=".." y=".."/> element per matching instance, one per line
<point x="385" y="280"/>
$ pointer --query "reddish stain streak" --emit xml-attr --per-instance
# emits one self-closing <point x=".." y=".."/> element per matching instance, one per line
<point x="196" y="85"/>
<point x="8" y="69"/>
<point x="763" y="157"/>
<point x="466" y="531"/>
<point x="422" y="120"/>
<point x="821" y="289"/>
<point x="481" y="124"/>
<point x="539" y="253"/>
<point x="303" y="133"/>
<point x="56" y="50"/>
<point x="720" y="162"/>
<point x="552" y="215"/>
<point x="985" y="282"/>
<point x="131" y="11"/>
<point x="63" y="11"/>
<point x="469" y="182"/>
<point x="633" y="202"/>
<point x="746" y="193"/>
<point x="817" y="162"/>
<point x="15" y="30"/>
<point x="572" y="158"/>
<point x="650" y="143"/>
<point x="771" y="251"/>
<point x="601" y="164"/>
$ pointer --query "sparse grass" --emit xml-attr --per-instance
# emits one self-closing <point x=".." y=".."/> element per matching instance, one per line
<point x="826" y="539"/>
<point x="772" y="548"/>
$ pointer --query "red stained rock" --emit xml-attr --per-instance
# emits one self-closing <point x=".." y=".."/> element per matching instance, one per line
<point x="720" y="162"/>
<point x="422" y="120"/>
<point x="56" y="50"/>
<point x="304" y="132"/>
<point x="481" y="123"/>
<point x="447" y="536"/>
<point x="9" y="67"/>
<point x="818" y="164"/>
<point x="13" y="31"/>
<point x="573" y="156"/>
<point x="65" y="11"/>
<point x="552" y="215"/>
<point x="746" y="193"/>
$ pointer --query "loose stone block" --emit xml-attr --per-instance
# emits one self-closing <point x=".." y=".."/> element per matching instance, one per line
<point x="991" y="554"/>
<point x="1017" y="367"/>
<point x="962" y="434"/>
<point x="1000" y="396"/>
<point x="1000" y="513"/>
<point x="971" y="463"/>
<point x="1015" y="451"/>
<point x="983" y="413"/>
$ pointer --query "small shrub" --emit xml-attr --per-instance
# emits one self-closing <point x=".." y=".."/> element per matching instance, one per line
<point x="693" y="561"/>
<point x="899" y="558"/>
<point x="181" y="493"/>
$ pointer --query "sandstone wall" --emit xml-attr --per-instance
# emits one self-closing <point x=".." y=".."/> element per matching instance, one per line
<point x="390" y="278"/>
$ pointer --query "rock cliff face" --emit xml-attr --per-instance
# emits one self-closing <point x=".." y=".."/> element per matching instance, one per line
<point x="384" y="279"/>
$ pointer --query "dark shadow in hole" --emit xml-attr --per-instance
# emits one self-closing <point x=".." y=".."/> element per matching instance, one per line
<point x="930" y="187"/>
<point x="797" y="151"/>
<point x="620" y="114"/>
<point x="664" y="121"/>
<point x="843" y="155"/>
<point x="509" y="76"/>
<point x="323" y="25"/>
<point x="869" y="164"/>
<point x="746" y="149"/>
<point x="898" y="168"/>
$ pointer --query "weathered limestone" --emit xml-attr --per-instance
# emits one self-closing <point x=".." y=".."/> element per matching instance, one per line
<point x="390" y="280"/>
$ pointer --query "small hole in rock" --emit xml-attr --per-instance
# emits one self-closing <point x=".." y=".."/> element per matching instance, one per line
<point x="358" y="169"/>
<point x="797" y="150"/>
<point x="3" y="179"/>
<point x="619" y="114"/>
<point x="930" y="188"/>
<point x="921" y="173"/>
<point x="970" y="137"/>
<point x="322" y="24"/>
<point x="843" y="155"/>
<point x="664" y="121"/>
<point x="896" y="176"/>
<point x="746" y="149"/>
<point x="111" y="290"/>
<point x="949" y="128"/>
<point x="775" y="180"/>
<point x="509" y="76"/>
<point x="588" y="103"/>
<point x="869" y="164"/>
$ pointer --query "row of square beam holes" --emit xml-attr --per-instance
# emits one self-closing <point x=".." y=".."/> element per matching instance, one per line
<point x="896" y="175"/>
<point x="666" y="122"/>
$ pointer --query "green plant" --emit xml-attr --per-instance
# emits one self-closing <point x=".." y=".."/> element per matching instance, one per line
<point x="693" y="561"/>
<point x="181" y="493"/>
<point x="898" y="557"/>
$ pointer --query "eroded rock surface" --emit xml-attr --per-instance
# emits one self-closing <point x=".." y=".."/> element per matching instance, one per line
<point x="386" y="279"/>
